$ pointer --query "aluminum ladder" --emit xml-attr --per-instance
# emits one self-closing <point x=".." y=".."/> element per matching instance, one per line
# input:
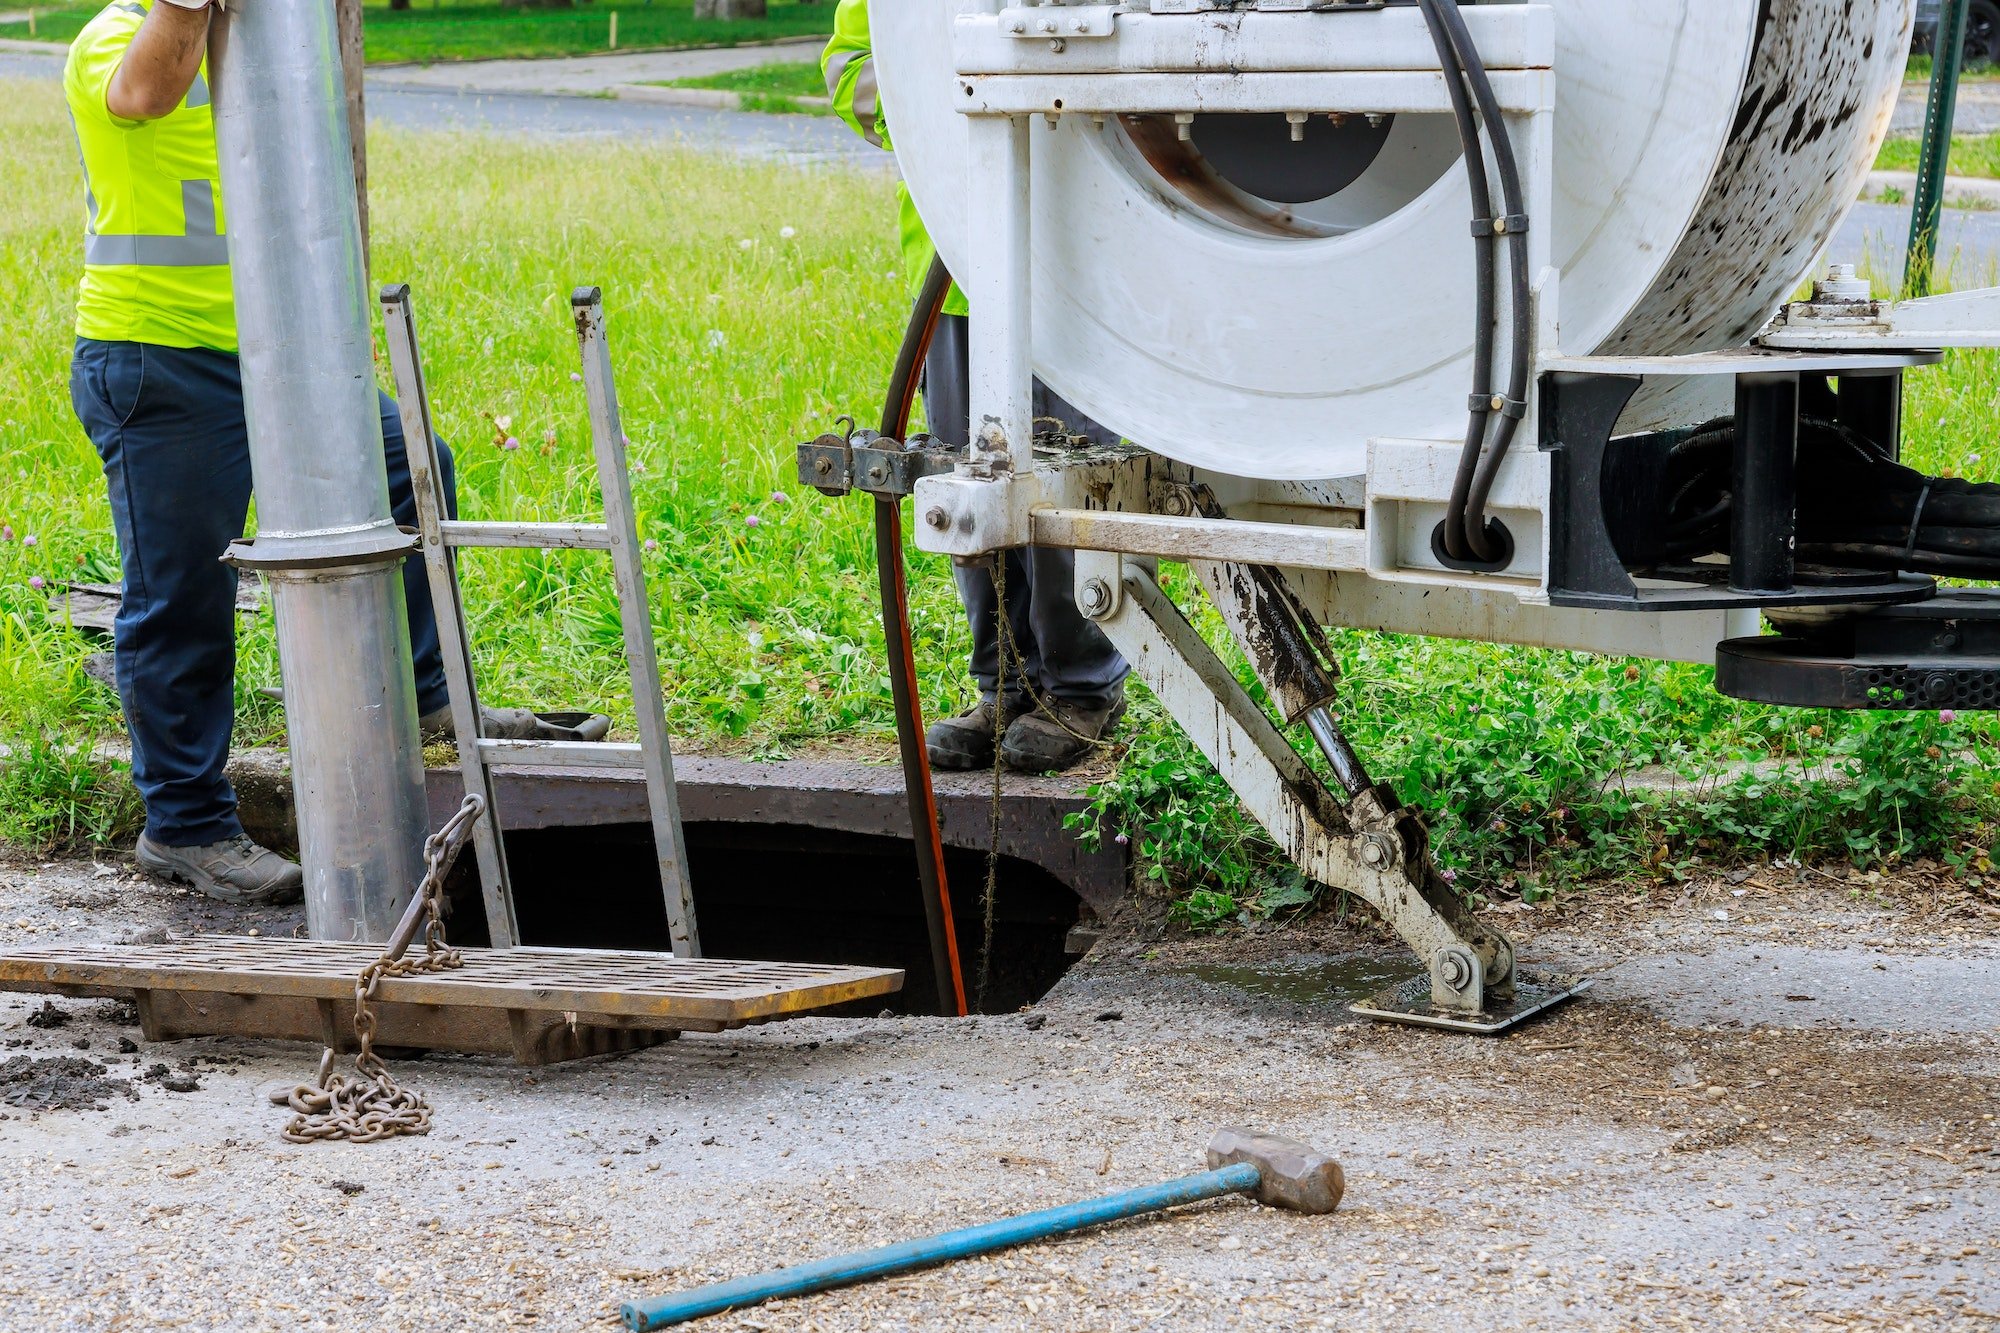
<point x="441" y="538"/>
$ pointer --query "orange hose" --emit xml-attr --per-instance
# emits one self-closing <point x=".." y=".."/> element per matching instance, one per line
<point x="903" y="685"/>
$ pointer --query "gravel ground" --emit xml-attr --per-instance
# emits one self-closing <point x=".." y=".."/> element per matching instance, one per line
<point x="1779" y="1117"/>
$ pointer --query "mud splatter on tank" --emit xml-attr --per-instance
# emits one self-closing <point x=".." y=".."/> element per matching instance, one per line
<point x="1821" y="89"/>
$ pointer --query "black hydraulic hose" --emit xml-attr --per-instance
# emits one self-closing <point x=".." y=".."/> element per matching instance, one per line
<point x="896" y="408"/>
<point x="1509" y="420"/>
<point x="1483" y="284"/>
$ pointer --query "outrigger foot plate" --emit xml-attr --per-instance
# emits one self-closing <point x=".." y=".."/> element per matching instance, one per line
<point x="1410" y="1002"/>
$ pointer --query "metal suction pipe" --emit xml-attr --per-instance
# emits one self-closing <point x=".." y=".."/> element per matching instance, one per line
<point x="325" y="536"/>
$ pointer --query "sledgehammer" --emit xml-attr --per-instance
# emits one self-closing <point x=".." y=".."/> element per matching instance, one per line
<point x="1273" y="1170"/>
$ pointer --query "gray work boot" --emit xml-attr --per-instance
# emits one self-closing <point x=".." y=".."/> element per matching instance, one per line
<point x="1058" y="735"/>
<point x="966" y="741"/>
<point x="517" y="724"/>
<point x="235" y="870"/>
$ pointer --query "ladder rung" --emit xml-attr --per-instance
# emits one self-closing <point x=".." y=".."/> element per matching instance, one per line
<point x="529" y="536"/>
<point x="571" y="754"/>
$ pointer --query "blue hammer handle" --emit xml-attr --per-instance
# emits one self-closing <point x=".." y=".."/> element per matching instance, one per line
<point x="912" y="1254"/>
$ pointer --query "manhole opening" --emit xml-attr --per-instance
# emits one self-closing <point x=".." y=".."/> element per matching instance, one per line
<point x="787" y="893"/>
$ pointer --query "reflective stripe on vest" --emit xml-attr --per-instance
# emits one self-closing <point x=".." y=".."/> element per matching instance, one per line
<point x="199" y="245"/>
<point x="867" y="96"/>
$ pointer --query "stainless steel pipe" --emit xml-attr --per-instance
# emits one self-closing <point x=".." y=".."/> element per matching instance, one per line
<point x="324" y="532"/>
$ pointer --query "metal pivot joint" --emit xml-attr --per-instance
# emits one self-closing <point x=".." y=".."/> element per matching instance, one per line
<point x="1365" y="841"/>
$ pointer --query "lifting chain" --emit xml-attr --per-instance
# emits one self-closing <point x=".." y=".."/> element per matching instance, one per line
<point x="369" y="1104"/>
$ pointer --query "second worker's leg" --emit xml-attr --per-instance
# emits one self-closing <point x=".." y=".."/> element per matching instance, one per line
<point x="426" y="659"/>
<point x="1080" y="676"/>
<point x="966" y="741"/>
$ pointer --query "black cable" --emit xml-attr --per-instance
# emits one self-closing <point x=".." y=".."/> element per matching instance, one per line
<point x="1480" y="402"/>
<point x="1501" y="432"/>
<point x="1857" y="506"/>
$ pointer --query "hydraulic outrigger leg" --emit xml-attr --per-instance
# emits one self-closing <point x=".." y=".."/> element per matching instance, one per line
<point x="1369" y="843"/>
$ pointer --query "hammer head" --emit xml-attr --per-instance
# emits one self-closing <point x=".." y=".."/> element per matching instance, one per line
<point x="1293" y="1175"/>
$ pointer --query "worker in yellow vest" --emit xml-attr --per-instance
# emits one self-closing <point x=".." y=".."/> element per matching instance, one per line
<point x="155" y="383"/>
<point x="1066" y="665"/>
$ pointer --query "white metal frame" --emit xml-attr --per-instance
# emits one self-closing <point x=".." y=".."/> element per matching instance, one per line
<point x="1015" y="65"/>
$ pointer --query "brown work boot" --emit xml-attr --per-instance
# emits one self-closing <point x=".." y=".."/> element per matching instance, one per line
<point x="1058" y="734"/>
<point x="517" y="724"/>
<point x="235" y="870"/>
<point x="966" y="741"/>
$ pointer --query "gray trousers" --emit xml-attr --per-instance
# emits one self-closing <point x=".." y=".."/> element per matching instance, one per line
<point x="1062" y="654"/>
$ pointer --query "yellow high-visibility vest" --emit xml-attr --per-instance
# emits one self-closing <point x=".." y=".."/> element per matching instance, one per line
<point x="848" y="63"/>
<point x="155" y="260"/>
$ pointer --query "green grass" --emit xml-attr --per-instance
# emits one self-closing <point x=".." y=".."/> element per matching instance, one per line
<point x="776" y="87"/>
<point x="1919" y="71"/>
<point x="429" y="32"/>
<point x="733" y="340"/>
<point x="1976" y="155"/>
<point x="789" y="78"/>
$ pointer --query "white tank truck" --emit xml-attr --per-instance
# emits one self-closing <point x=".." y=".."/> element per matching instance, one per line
<point x="1537" y="384"/>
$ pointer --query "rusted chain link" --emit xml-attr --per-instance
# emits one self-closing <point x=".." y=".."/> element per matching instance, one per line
<point x="1009" y="645"/>
<point x="1004" y="644"/>
<point x="369" y="1104"/>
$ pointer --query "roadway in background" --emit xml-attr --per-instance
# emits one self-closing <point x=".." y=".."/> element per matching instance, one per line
<point x="415" y="98"/>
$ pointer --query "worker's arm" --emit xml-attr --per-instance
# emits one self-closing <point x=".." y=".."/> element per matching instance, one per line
<point x="848" y="64"/>
<point x="160" y="65"/>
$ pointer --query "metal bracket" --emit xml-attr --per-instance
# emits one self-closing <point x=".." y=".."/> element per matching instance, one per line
<point x="862" y="460"/>
<point x="1372" y="846"/>
<point x="381" y="544"/>
<point x="1058" y="22"/>
<point x="881" y="466"/>
<point x="827" y="464"/>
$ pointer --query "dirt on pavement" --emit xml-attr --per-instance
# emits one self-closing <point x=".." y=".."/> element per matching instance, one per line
<point x="1775" y="1109"/>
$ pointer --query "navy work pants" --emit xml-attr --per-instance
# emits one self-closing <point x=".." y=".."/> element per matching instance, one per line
<point x="168" y="423"/>
<point x="1062" y="653"/>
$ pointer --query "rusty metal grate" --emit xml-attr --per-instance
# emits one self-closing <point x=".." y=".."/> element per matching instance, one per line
<point x="540" y="1004"/>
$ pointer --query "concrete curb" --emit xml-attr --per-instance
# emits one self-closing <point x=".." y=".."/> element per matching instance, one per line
<point x="714" y="99"/>
<point x="1982" y="193"/>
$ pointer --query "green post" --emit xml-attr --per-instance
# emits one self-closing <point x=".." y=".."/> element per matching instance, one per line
<point x="1927" y="204"/>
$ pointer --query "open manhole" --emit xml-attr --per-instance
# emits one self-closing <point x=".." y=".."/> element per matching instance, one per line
<point x="806" y="862"/>
<point x="788" y="894"/>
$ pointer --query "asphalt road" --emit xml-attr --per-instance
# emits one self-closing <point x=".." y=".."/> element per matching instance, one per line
<point x="798" y="139"/>
<point x="1968" y="242"/>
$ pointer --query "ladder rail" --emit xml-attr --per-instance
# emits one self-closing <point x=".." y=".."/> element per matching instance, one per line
<point x="563" y="754"/>
<point x="448" y="607"/>
<point x="635" y="611"/>
<point x="528" y="536"/>
<point x="440" y="538"/>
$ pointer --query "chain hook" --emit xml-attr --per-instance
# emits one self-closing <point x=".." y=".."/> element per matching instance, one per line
<point x="369" y="1104"/>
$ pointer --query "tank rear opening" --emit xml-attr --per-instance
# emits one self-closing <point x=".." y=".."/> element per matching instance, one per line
<point x="787" y="893"/>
